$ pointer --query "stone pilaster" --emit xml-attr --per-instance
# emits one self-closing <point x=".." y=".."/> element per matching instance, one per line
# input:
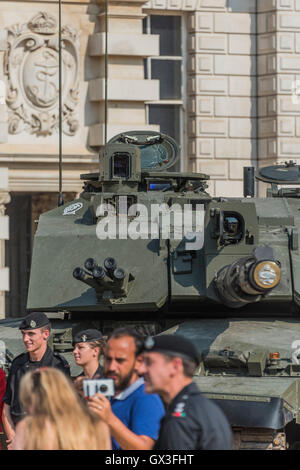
<point x="222" y="92"/>
<point x="127" y="89"/>
<point x="3" y="113"/>
<point x="278" y="85"/>
<point x="4" y="235"/>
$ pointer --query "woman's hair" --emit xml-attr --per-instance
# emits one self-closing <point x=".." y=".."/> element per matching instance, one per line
<point x="57" y="414"/>
<point x="99" y="343"/>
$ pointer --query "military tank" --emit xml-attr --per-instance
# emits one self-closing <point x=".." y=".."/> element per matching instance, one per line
<point x="149" y="247"/>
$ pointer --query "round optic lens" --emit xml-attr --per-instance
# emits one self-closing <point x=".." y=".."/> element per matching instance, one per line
<point x="267" y="274"/>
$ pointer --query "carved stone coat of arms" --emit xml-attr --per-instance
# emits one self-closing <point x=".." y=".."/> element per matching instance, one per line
<point x="32" y="69"/>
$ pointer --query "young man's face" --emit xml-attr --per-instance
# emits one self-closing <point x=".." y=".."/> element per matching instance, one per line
<point x="84" y="353"/>
<point x="157" y="371"/>
<point x="34" y="340"/>
<point x="120" y="361"/>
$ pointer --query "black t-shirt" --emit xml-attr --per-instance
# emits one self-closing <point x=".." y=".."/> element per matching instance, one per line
<point x="22" y="364"/>
<point x="192" y="422"/>
<point x="97" y="375"/>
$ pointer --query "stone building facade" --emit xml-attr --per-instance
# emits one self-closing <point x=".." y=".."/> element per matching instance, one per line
<point x="222" y="76"/>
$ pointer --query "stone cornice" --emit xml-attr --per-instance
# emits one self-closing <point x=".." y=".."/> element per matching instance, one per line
<point x="38" y="158"/>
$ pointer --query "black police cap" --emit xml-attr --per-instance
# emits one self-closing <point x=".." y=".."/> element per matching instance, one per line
<point x="87" y="335"/>
<point x="174" y="345"/>
<point x="34" y="320"/>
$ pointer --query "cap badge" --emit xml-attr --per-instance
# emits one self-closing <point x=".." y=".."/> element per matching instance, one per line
<point x="149" y="342"/>
<point x="84" y="338"/>
<point x="32" y="324"/>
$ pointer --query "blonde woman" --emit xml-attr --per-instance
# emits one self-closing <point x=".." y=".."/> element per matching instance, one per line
<point x="57" y="418"/>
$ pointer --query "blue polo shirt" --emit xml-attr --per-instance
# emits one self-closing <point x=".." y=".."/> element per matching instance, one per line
<point x="141" y="412"/>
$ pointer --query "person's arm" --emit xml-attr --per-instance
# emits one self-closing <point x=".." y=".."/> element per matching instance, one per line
<point x="8" y="425"/>
<point x="127" y="439"/>
<point x="18" y="442"/>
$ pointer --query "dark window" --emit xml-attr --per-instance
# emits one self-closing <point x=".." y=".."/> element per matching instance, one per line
<point x="167" y="116"/>
<point x="169" y="74"/>
<point x="169" y="30"/>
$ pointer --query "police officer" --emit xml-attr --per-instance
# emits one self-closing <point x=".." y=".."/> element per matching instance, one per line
<point x="35" y="329"/>
<point x="191" y="422"/>
<point x="88" y="346"/>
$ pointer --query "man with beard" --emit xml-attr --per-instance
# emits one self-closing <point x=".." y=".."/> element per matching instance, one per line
<point x="132" y="415"/>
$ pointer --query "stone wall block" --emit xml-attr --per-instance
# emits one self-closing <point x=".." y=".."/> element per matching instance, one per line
<point x="271" y="22"/>
<point x="229" y="188"/>
<point x="210" y="127"/>
<point x="212" y="85"/>
<point x="240" y="64"/>
<point x="191" y="42"/>
<point x="235" y="148"/>
<point x="242" y="86"/>
<point x="191" y="85"/>
<point x="204" y="148"/>
<point x="289" y="148"/>
<point x="286" y="126"/>
<point x="267" y="127"/>
<point x="211" y="43"/>
<point x="217" y="169"/>
<point x="266" y="43"/>
<point x="286" y="42"/>
<point x="236" y="168"/>
<point x="204" y="22"/>
<point x="189" y="5"/>
<point x="262" y="66"/>
<point x="286" y="105"/>
<point x="211" y="4"/>
<point x="266" y="5"/>
<point x="159" y="4"/>
<point x="267" y="85"/>
<point x="235" y="107"/>
<point x="285" y="84"/>
<point x="288" y="21"/>
<point x="135" y="45"/>
<point x="297" y="42"/>
<point x="204" y="106"/>
<point x="243" y="23"/>
<point x="297" y="126"/>
<point x="288" y="63"/>
<point x="271" y="63"/>
<point x="174" y="4"/>
<point x="271" y="105"/>
<point x="241" y="44"/>
<point x="191" y="105"/>
<point x="285" y="4"/>
<point x="242" y="127"/>
<point x="192" y="126"/>
<point x="191" y="63"/>
<point x="204" y="64"/>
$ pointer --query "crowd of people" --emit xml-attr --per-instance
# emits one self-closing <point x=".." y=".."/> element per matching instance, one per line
<point x="154" y="403"/>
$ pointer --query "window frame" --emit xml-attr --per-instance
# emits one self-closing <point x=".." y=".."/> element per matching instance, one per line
<point x="176" y="102"/>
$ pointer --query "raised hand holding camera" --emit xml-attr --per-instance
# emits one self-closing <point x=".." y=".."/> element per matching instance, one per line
<point x="103" y="386"/>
